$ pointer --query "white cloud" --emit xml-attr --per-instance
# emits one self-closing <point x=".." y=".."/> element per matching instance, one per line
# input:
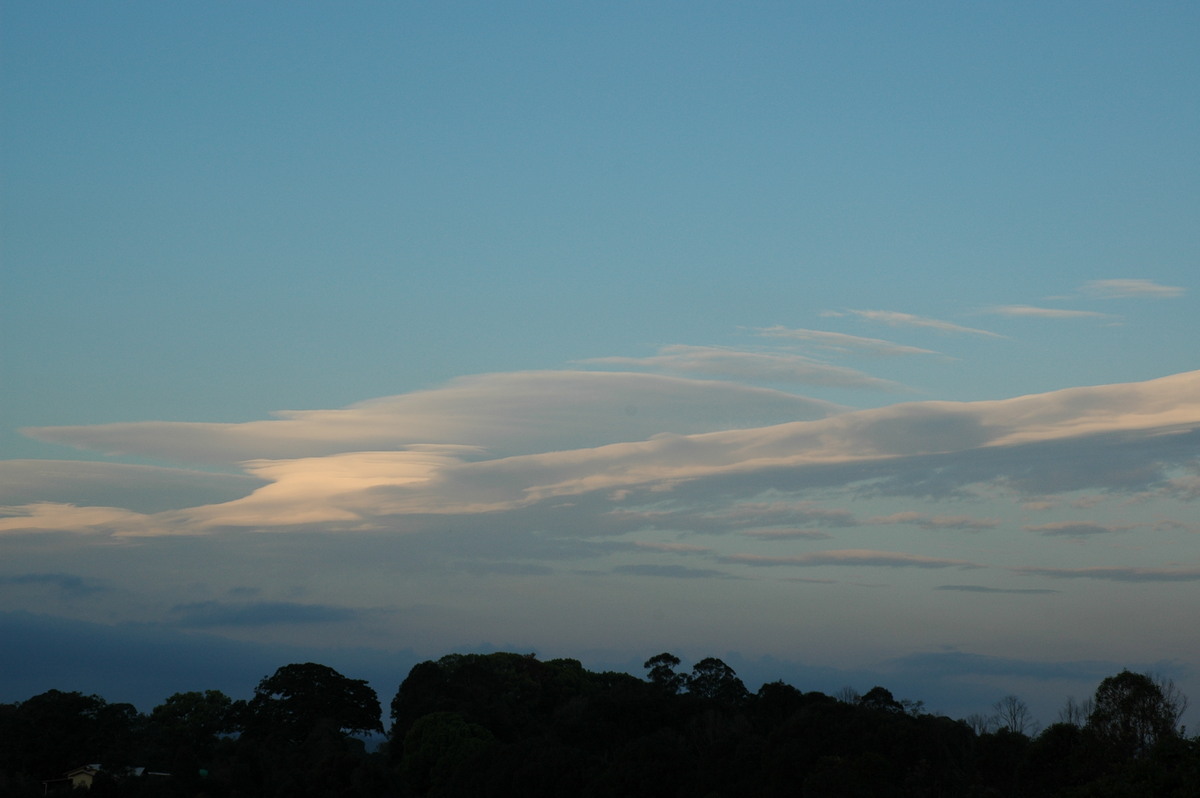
<point x="1130" y="289"/>
<point x="783" y="534"/>
<point x="500" y="414"/>
<point x="672" y="548"/>
<point x="1076" y="529"/>
<point x="732" y="514"/>
<point x="920" y="441"/>
<point x="105" y="521"/>
<point x="136" y="487"/>
<point x="926" y="521"/>
<point x="841" y="342"/>
<point x="1186" y="487"/>
<point x="752" y="366"/>
<point x="1045" y="313"/>
<point x="896" y="319"/>
<point x="322" y="490"/>
<point x="866" y="557"/>
<point x="1118" y="574"/>
<point x="982" y="589"/>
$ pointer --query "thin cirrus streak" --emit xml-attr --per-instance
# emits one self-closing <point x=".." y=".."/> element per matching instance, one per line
<point x="842" y="342"/>
<point x="1077" y="528"/>
<point x="1116" y="574"/>
<point x="771" y="366"/>
<point x="1130" y="289"/>
<point x="936" y="521"/>
<point x="897" y="319"/>
<point x="1046" y="313"/>
<point x="887" y="559"/>
<point x="1032" y="591"/>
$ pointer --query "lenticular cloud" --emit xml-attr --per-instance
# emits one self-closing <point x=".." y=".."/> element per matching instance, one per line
<point x="502" y="414"/>
<point x="370" y="488"/>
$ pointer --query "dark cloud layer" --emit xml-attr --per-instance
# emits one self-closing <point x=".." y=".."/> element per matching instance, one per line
<point x="1074" y="529"/>
<point x="669" y="571"/>
<point x="983" y="589"/>
<point x="69" y="585"/>
<point x="261" y="613"/>
<point x="1118" y="574"/>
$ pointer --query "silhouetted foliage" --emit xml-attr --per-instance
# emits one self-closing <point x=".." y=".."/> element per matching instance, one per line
<point x="298" y="700"/>
<point x="55" y="731"/>
<point x="437" y="746"/>
<point x="662" y="673"/>
<point x="713" y="679"/>
<point x="880" y="698"/>
<point x="1131" y="714"/>
<point x="508" y="724"/>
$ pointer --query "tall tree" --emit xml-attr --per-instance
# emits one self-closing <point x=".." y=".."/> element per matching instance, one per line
<point x="187" y="725"/>
<point x="880" y="698"/>
<point x="300" y="699"/>
<point x="1013" y="714"/>
<point x="1131" y="713"/>
<point x="57" y="730"/>
<point x="712" y="678"/>
<point x="662" y="673"/>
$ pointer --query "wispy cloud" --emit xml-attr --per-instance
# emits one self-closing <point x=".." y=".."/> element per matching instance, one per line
<point x="732" y="514"/>
<point x="670" y="571"/>
<point x="926" y="521"/>
<point x="1127" y="437"/>
<point x="206" y="614"/>
<point x="490" y="415"/>
<point x="70" y="585"/>
<point x="896" y="319"/>
<point x="1045" y="313"/>
<point x="1185" y="488"/>
<point x="983" y="589"/>
<point x="1076" y="529"/>
<point x="782" y="534"/>
<point x="144" y="489"/>
<point x="1117" y="574"/>
<point x="60" y="517"/>
<point x="863" y="557"/>
<point x="1130" y="289"/>
<point x="753" y="366"/>
<point x="671" y="548"/>
<point x="843" y="343"/>
<point x="484" y="568"/>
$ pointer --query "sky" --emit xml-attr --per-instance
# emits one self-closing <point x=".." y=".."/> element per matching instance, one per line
<point x="853" y="343"/>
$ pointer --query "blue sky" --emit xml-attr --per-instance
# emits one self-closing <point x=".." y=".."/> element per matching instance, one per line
<point x="856" y="339"/>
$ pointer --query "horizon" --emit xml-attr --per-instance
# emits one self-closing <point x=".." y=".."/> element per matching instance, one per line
<point x="200" y="662"/>
<point x="857" y="340"/>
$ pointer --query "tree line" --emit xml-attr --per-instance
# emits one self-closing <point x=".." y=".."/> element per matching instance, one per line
<point x="510" y="724"/>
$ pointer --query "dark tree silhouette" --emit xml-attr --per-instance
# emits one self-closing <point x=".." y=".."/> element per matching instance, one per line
<point x="194" y="719"/>
<point x="506" y="724"/>
<point x="662" y="672"/>
<point x="1131" y="714"/>
<point x="185" y="731"/>
<point x="1013" y="714"/>
<point x="54" y="731"/>
<point x="880" y="698"/>
<point x="712" y="678"/>
<point x="299" y="699"/>
<point x="438" y="745"/>
<point x="1075" y="713"/>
